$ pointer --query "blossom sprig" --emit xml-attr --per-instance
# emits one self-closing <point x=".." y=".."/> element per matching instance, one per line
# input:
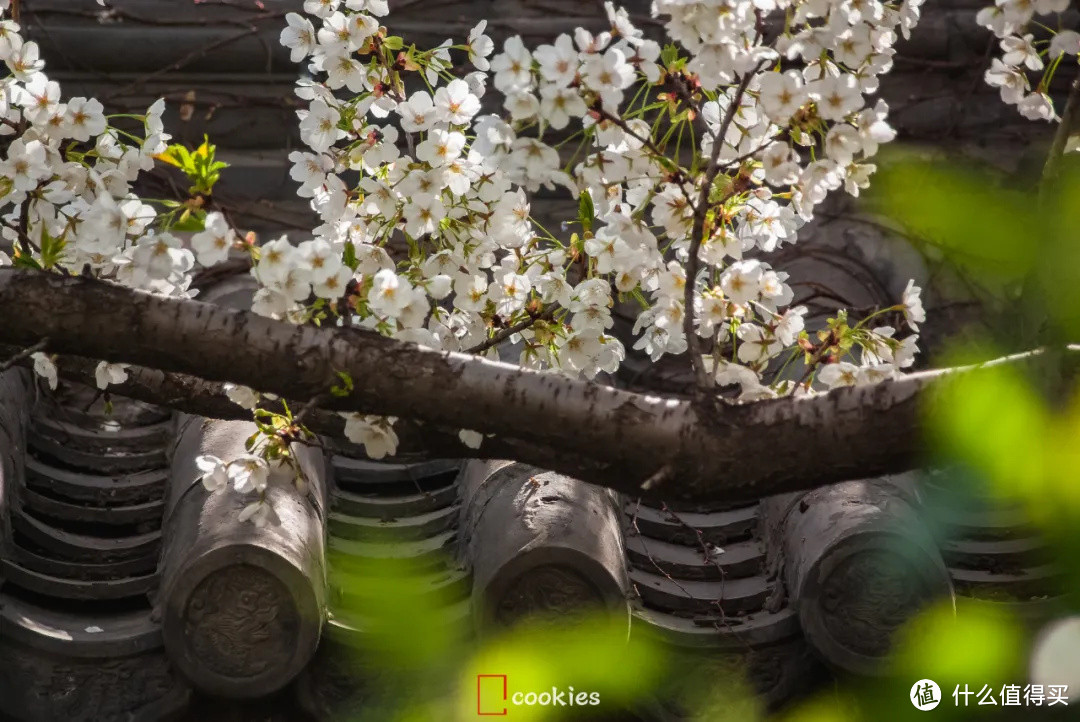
<point x="1025" y="66"/>
<point x="270" y="457"/>
<point x="66" y="176"/>
<point x="427" y="231"/>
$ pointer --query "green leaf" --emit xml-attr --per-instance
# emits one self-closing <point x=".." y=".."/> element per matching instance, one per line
<point x="176" y="155"/>
<point x="25" y="260"/>
<point x="345" y="387"/>
<point x="52" y="249"/>
<point x="192" y="219"/>
<point x="586" y="211"/>
<point x="669" y="54"/>
<point x="349" y="258"/>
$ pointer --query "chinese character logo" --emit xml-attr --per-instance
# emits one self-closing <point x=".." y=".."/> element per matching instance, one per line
<point x="925" y="695"/>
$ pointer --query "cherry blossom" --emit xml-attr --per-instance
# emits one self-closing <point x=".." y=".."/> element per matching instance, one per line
<point x="214" y="475"/>
<point x="423" y="186"/>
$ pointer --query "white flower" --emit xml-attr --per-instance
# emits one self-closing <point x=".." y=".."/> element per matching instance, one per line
<point x="1066" y="41"/>
<point x="512" y="67"/>
<point x="212" y="244"/>
<point x="375" y="433"/>
<point x="333" y="286"/>
<point x="158" y="256"/>
<point x="25" y="164"/>
<point x="455" y="103"/>
<point x="741" y="281"/>
<point x="913" y="308"/>
<point x="874" y="128"/>
<point x="841" y="373"/>
<point x="248" y="473"/>
<point x="260" y="513"/>
<point x="470" y="292"/>
<point x="441" y="147"/>
<point x="522" y="105"/>
<point x="608" y="75"/>
<point x="298" y="36"/>
<point x="275" y="260"/>
<point x="781" y="164"/>
<point x="309" y="170"/>
<point x="25" y="62"/>
<point x="45" y="368"/>
<point x="854" y="46"/>
<point x="85" y="118"/>
<point x="729" y="374"/>
<point x="558" y="62"/>
<point x="790" y="325"/>
<point x="836" y="97"/>
<point x="757" y="344"/>
<point x="417" y="113"/>
<point x="1037" y="106"/>
<point x="1010" y="81"/>
<point x="321" y="8"/>
<point x="904" y="356"/>
<point x="242" y="396"/>
<point x="560" y="105"/>
<point x="107" y="373"/>
<point x="1021" y="51"/>
<point x="842" y="143"/>
<point x="440" y="286"/>
<point x="343" y="71"/>
<point x="214" y="475"/>
<point x="472" y="439"/>
<point x="319" y="126"/>
<point x="480" y="46"/>
<point x="378" y="8"/>
<point x="510" y="293"/>
<point x="781" y="94"/>
<point x="389" y="294"/>
<point x="341" y="32"/>
<point x="423" y="214"/>
<point x="875" y="374"/>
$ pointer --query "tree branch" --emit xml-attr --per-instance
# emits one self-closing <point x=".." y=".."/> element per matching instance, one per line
<point x="1069" y="125"/>
<point x="715" y="450"/>
<point x="701" y="209"/>
<point x="17" y="355"/>
<point x="545" y="315"/>
<point x="193" y="395"/>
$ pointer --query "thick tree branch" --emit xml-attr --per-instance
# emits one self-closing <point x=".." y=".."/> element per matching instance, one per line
<point x="714" y="450"/>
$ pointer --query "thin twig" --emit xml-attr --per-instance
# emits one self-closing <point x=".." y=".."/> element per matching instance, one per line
<point x="310" y="406"/>
<point x="646" y="141"/>
<point x="661" y="476"/>
<point x="518" y="327"/>
<point x="693" y="344"/>
<point x="25" y="353"/>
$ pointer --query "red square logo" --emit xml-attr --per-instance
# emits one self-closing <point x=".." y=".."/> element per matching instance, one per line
<point x="491" y="695"/>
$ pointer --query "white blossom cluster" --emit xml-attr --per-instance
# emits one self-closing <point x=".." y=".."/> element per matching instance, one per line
<point x="1023" y="58"/>
<point x="66" y="202"/>
<point x="453" y="185"/>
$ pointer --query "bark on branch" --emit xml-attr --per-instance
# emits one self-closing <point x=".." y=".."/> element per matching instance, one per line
<point x="714" y="450"/>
